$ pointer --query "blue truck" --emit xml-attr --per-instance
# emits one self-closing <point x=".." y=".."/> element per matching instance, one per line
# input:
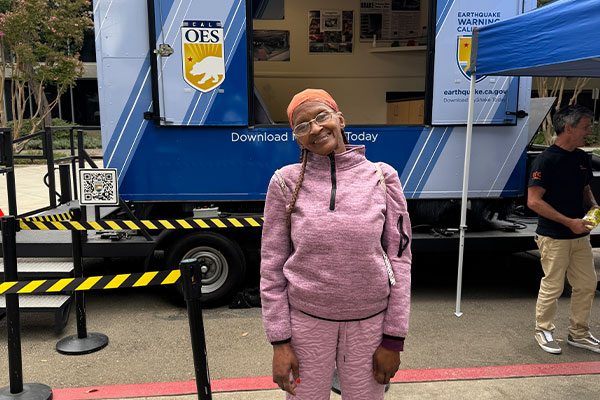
<point x="193" y="95"/>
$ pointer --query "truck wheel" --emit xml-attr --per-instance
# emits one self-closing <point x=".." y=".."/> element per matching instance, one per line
<point x="222" y="261"/>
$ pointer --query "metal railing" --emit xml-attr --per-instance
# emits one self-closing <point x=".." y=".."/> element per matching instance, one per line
<point x="7" y="161"/>
<point x="77" y="157"/>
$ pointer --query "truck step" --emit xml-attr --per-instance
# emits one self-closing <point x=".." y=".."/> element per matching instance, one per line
<point x="59" y="304"/>
<point x="57" y="244"/>
<point x="41" y="268"/>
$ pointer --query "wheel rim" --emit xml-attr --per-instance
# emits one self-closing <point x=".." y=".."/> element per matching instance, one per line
<point x="214" y="267"/>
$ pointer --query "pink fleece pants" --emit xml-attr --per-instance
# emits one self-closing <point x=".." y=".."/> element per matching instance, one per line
<point x="321" y="345"/>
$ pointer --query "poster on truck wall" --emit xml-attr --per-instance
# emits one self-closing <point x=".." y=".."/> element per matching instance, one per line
<point x="391" y="20"/>
<point x="330" y="31"/>
<point x="496" y="96"/>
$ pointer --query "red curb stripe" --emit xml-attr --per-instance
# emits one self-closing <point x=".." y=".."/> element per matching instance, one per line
<point x="504" y="371"/>
<point x="237" y="384"/>
<point x="266" y="382"/>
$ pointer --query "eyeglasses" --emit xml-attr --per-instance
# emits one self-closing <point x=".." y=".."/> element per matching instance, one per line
<point x="303" y="128"/>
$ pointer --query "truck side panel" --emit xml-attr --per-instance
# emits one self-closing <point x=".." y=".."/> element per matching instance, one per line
<point x="211" y="160"/>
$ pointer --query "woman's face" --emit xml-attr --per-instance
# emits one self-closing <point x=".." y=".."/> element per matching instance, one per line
<point x="322" y="139"/>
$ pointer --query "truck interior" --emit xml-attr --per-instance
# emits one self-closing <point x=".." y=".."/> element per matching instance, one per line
<point x="371" y="56"/>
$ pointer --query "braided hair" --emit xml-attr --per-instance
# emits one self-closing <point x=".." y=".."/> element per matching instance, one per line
<point x="303" y="159"/>
<point x="288" y="215"/>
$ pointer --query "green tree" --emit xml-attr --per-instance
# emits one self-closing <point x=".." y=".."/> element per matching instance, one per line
<point x="40" y="42"/>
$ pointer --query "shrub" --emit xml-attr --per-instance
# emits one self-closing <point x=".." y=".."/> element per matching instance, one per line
<point x="61" y="140"/>
<point x="591" y="140"/>
<point x="594" y="138"/>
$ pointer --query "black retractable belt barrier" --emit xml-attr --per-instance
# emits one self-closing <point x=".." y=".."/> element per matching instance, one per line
<point x="191" y="275"/>
<point x="83" y="342"/>
<point x="16" y="390"/>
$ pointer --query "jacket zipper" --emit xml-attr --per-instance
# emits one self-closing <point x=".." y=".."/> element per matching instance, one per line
<point x="333" y="182"/>
<point x="388" y="266"/>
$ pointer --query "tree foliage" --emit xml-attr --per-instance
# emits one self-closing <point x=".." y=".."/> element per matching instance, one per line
<point x="40" y="42"/>
<point x="554" y="87"/>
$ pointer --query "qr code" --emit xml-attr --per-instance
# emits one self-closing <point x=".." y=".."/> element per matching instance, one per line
<point x="98" y="186"/>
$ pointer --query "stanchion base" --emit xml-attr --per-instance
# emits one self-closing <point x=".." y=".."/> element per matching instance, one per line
<point x="73" y="345"/>
<point x="31" y="391"/>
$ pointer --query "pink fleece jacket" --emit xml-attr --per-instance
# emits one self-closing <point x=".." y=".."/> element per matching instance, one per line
<point x="331" y="263"/>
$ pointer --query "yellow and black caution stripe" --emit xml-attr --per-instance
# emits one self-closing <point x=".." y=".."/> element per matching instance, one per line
<point x="141" y="279"/>
<point x="50" y="218"/>
<point x="155" y="224"/>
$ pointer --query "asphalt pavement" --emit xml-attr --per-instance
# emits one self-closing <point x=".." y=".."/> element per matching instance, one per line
<point x="487" y="353"/>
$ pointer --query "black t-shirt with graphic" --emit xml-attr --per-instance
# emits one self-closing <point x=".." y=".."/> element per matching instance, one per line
<point x="563" y="174"/>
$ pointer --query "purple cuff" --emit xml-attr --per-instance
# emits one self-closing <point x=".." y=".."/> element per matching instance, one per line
<point x="275" y="343"/>
<point x="392" y="344"/>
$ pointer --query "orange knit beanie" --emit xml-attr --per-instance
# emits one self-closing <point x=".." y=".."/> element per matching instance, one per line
<point x="316" y="95"/>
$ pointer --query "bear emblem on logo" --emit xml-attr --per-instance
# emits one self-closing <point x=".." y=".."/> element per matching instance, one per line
<point x="211" y="68"/>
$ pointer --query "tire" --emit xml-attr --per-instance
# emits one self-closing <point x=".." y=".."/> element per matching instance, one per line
<point x="222" y="257"/>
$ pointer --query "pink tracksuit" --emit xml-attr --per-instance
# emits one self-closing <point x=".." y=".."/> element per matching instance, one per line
<point x="330" y="267"/>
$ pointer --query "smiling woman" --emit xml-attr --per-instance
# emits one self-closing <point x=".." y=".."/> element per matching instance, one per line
<point x="315" y="284"/>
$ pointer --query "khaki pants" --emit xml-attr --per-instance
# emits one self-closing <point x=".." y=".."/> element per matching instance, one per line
<point x="574" y="258"/>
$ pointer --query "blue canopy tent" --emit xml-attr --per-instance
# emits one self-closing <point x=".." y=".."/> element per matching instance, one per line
<point x="559" y="39"/>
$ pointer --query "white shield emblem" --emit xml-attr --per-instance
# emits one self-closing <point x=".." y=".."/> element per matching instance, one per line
<point x="203" y="49"/>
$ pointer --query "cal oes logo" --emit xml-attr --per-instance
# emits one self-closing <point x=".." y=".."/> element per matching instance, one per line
<point x="463" y="56"/>
<point x="203" y="60"/>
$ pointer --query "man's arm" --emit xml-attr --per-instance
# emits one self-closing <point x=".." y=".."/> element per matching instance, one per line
<point x="536" y="203"/>
<point x="588" y="198"/>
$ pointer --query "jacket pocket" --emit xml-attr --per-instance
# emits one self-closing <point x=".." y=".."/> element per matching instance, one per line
<point x="404" y="238"/>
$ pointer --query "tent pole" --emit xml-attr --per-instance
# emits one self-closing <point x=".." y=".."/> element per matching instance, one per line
<point x="463" y="204"/>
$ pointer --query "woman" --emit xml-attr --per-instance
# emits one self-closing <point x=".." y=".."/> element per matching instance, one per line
<point x="335" y="262"/>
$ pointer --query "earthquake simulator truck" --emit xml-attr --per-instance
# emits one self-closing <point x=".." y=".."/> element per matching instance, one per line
<point x="193" y="96"/>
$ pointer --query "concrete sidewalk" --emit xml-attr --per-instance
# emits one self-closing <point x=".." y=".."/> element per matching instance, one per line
<point x="32" y="193"/>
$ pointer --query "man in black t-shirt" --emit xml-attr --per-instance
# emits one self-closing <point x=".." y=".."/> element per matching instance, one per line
<point x="559" y="192"/>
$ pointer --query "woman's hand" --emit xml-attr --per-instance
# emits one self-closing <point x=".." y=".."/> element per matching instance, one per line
<point x="385" y="364"/>
<point x="284" y="361"/>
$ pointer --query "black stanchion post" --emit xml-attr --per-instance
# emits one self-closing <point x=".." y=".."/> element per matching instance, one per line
<point x="191" y="275"/>
<point x="81" y="160"/>
<point x="16" y="390"/>
<point x="73" y="162"/>
<point x="12" y="306"/>
<point x="83" y="342"/>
